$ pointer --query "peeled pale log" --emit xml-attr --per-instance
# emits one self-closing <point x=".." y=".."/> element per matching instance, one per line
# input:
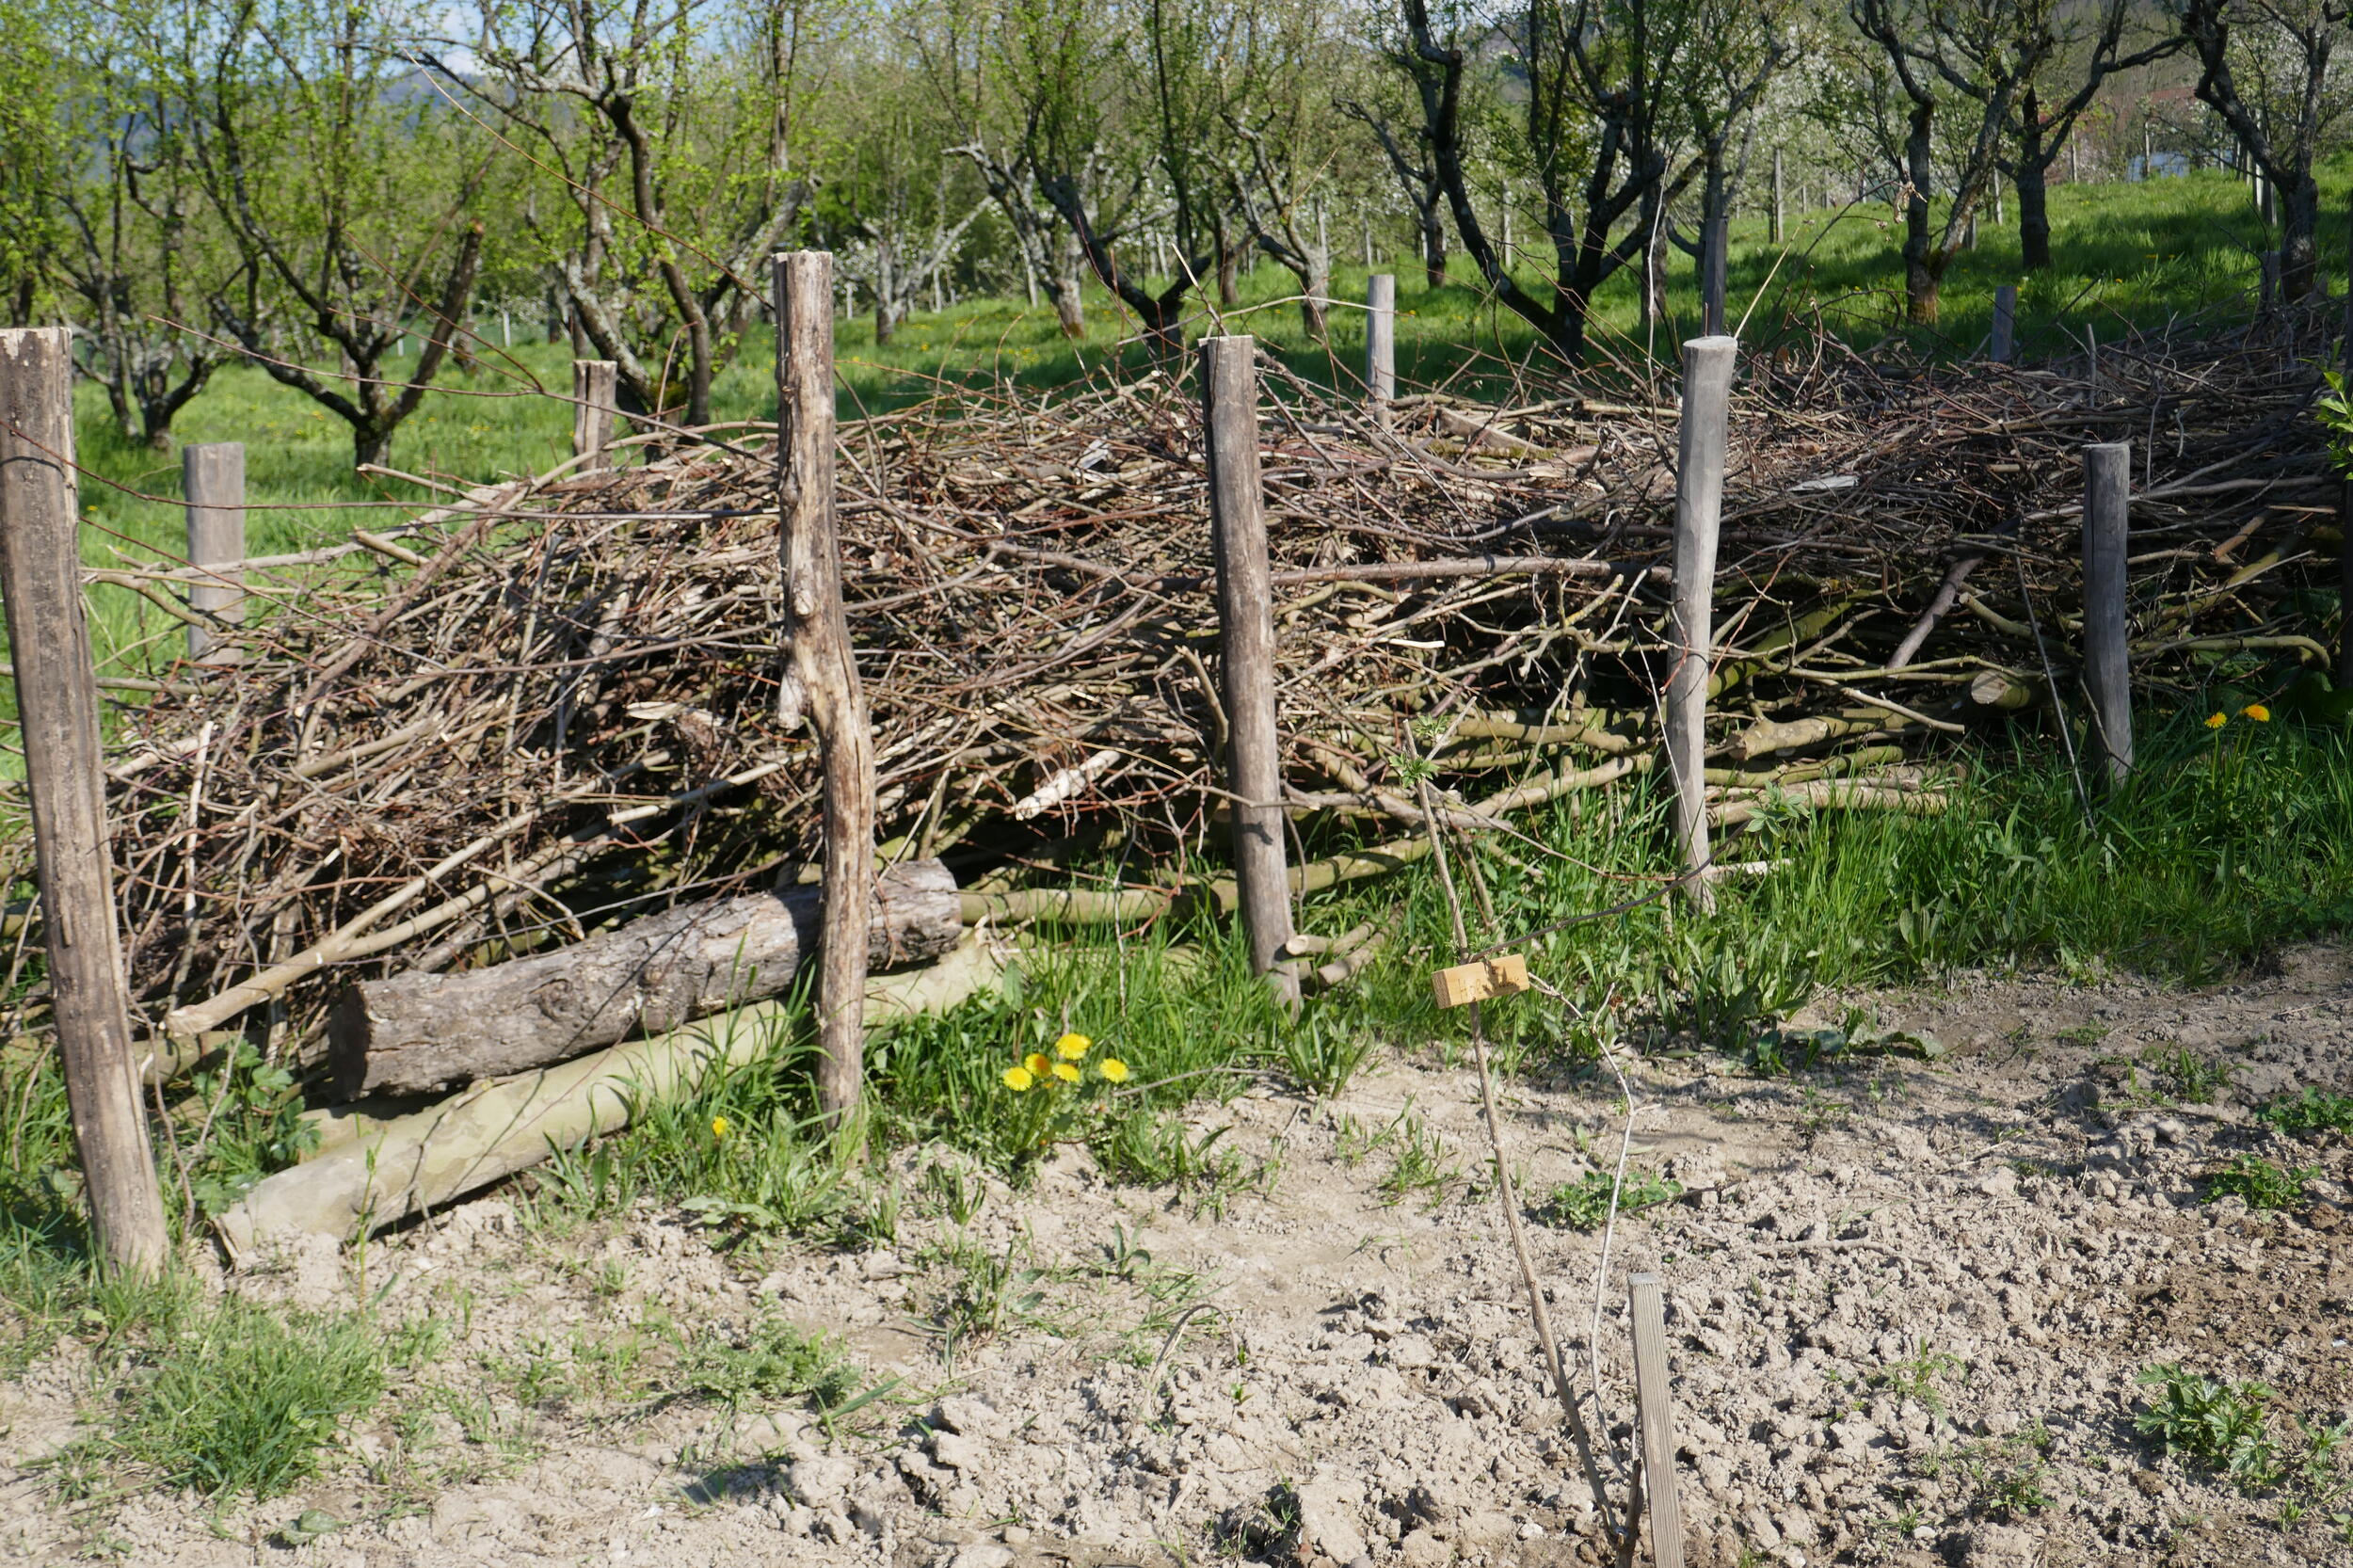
<point x="415" y="1033"/>
<point x="381" y="1172"/>
<point x="1767" y="736"/>
<point x="2001" y="690"/>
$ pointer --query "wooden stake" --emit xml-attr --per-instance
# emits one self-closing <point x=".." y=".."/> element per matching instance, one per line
<point x="824" y="663"/>
<point x="1380" y="340"/>
<point x="1245" y="608"/>
<point x="2004" y="324"/>
<point x="1699" y="505"/>
<point x="1777" y="233"/>
<point x="594" y="405"/>
<point x="1652" y="1394"/>
<point x="213" y="479"/>
<point x="2344" y="495"/>
<point x="2107" y="507"/>
<point x="57" y="699"/>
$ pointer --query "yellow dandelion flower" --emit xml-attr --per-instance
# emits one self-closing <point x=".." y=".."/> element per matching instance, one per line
<point x="2215" y="721"/>
<point x="1038" y="1064"/>
<point x="1018" y="1079"/>
<point x="1112" y="1067"/>
<point x="719" y="1126"/>
<point x="2257" y="711"/>
<point x="1066" y="1071"/>
<point x="1072" y="1047"/>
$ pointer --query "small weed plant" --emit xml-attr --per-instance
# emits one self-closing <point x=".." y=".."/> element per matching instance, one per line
<point x="2221" y="1427"/>
<point x="2264" y="1184"/>
<point x="772" y="1361"/>
<point x="2314" y="1114"/>
<point x="1584" y="1204"/>
<point x="1918" y="1377"/>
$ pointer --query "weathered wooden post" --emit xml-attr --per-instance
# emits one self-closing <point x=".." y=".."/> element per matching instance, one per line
<point x="825" y="665"/>
<point x="2107" y="674"/>
<point x="2004" y="324"/>
<point x="1381" y="342"/>
<point x="1245" y="609"/>
<point x="213" y="480"/>
<point x="1699" y="505"/>
<point x="1654" y="1400"/>
<point x="56" y="700"/>
<point x="1777" y="233"/>
<point x="595" y="403"/>
<point x="2344" y="495"/>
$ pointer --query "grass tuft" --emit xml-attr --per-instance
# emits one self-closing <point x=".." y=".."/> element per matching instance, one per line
<point x="238" y="1399"/>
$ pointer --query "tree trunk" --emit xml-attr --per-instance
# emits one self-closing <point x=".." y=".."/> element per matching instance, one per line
<point x="1228" y="273"/>
<point x="1432" y="245"/>
<point x="2034" y="168"/>
<point x="421" y="1033"/>
<point x="371" y="442"/>
<point x="1920" y="270"/>
<point x="2299" y="222"/>
<point x="1069" y="304"/>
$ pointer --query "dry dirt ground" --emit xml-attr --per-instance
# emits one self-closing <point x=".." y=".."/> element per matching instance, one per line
<point x="1908" y="1302"/>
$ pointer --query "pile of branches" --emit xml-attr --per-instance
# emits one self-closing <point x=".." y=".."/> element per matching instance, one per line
<point x="561" y="703"/>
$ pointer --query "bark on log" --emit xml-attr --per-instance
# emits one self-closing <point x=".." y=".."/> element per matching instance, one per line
<point x="386" y="1171"/>
<point x="417" y="1033"/>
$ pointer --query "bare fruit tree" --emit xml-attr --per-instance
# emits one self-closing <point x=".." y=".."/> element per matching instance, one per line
<point x="1598" y="93"/>
<point x="350" y="203"/>
<point x="2265" y="68"/>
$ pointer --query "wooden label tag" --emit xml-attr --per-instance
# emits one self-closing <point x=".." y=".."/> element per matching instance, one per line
<point x="1489" y="977"/>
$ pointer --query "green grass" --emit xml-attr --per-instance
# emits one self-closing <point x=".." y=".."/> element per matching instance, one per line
<point x="239" y="1399"/>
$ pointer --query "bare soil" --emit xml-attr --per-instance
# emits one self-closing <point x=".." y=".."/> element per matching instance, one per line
<point x="1909" y="1298"/>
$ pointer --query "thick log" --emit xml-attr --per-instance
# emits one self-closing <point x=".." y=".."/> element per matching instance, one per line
<point x="373" y="1173"/>
<point x="417" y="1033"/>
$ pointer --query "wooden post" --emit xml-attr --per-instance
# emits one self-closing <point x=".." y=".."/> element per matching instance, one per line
<point x="1776" y="196"/>
<point x="1656" y="1402"/>
<point x="56" y="701"/>
<point x="213" y="480"/>
<point x="1381" y="341"/>
<point x="1245" y="609"/>
<point x="2345" y="496"/>
<point x="594" y="403"/>
<point x="2092" y="366"/>
<point x="2004" y="324"/>
<point x="1699" y="505"/>
<point x="2108" y="676"/>
<point x="825" y="665"/>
